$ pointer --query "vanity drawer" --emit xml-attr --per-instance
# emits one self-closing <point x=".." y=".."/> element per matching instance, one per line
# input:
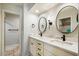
<point x="39" y="44"/>
<point x="39" y="53"/>
<point x="40" y="48"/>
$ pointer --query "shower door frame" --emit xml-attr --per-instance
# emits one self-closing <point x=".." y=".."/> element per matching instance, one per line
<point x="0" y="31"/>
<point x="3" y="30"/>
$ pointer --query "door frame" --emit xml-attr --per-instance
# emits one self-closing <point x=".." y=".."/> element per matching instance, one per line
<point x="3" y="30"/>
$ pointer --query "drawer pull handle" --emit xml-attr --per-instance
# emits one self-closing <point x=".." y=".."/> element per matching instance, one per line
<point x="39" y="49"/>
<point x="39" y="44"/>
<point x="39" y="54"/>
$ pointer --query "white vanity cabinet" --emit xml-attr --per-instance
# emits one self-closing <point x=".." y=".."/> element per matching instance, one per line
<point x="40" y="48"/>
<point x="36" y="47"/>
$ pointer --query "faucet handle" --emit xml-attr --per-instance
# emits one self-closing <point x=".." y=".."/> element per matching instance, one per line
<point x="40" y="34"/>
<point x="63" y="37"/>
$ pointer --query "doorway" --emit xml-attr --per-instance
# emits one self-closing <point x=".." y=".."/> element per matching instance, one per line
<point x="12" y="45"/>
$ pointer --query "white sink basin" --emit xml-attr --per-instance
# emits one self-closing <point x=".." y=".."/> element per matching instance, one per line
<point x="62" y="42"/>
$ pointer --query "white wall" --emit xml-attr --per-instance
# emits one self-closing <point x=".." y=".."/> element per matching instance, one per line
<point x="29" y="19"/>
<point x="53" y="32"/>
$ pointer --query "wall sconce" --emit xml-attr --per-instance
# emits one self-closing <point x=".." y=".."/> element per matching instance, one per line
<point x="50" y="23"/>
<point x="77" y="18"/>
<point x="33" y="25"/>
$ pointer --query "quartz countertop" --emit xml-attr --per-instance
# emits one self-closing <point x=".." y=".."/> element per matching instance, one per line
<point x="70" y="48"/>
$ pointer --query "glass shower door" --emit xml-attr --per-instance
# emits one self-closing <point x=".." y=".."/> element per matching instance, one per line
<point x="11" y="34"/>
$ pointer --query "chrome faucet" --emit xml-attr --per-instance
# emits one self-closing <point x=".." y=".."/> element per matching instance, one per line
<point x="63" y="38"/>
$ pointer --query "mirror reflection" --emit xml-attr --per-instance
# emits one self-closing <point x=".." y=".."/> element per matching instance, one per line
<point x="42" y="25"/>
<point x="67" y="19"/>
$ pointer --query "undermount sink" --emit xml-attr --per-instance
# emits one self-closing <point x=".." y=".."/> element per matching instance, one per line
<point x="62" y="42"/>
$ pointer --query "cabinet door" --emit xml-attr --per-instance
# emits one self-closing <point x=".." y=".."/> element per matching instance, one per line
<point x="48" y="47"/>
<point x="52" y="50"/>
<point x="47" y="50"/>
<point x="60" y="52"/>
<point x="47" y="53"/>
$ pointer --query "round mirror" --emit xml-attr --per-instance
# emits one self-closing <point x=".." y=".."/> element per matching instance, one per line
<point x="42" y="24"/>
<point x="67" y="19"/>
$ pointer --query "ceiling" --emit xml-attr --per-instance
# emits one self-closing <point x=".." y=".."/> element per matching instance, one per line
<point x="35" y="8"/>
<point x="29" y="5"/>
<point x="40" y="8"/>
<point x="14" y="4"/>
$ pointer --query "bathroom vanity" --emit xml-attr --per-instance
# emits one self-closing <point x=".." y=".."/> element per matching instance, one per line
<point x="66" y="23"/>
<point x="44" y="46"/>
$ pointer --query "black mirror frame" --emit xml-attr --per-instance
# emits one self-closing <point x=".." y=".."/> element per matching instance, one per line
<point x="39" y="25"/>
<point x="76" y="19"/>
